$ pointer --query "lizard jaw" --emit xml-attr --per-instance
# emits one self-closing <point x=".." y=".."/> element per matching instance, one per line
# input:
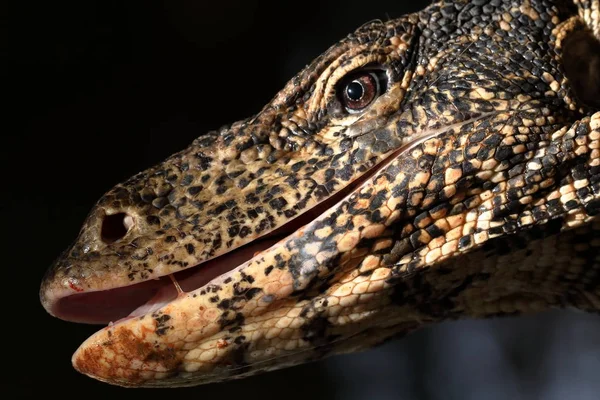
<point x="116" y="304"/>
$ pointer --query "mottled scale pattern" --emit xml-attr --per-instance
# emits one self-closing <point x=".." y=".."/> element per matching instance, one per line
<point x="485" y="201"/>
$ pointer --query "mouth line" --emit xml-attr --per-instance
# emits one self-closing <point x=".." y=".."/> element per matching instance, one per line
<point x="118" y="304"/>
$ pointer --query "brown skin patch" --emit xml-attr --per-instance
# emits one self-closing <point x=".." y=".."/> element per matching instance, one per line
<point x="94" y="361"/>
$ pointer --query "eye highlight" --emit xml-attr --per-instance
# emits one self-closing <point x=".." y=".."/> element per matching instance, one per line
<point x="358" y="91"/>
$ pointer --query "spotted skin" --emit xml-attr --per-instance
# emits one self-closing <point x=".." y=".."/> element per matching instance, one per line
<point x="485" y="202"/>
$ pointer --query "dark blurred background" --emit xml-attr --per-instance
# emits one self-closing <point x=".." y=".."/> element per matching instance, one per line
<point x="97" y="91"/>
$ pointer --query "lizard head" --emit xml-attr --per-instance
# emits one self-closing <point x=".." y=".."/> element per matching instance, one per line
<point x="441" y="165"/>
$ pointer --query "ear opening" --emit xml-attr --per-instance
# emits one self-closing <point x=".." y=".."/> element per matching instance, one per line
<point x="581" y="61"/>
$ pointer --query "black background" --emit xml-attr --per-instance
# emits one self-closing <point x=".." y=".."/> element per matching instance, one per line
<point x="98" y="91"/>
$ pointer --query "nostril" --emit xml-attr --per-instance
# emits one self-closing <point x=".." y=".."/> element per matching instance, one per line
<point x="115" y="226"/>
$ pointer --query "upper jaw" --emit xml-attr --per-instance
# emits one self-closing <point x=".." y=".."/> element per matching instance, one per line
<point x="198" y="205"/>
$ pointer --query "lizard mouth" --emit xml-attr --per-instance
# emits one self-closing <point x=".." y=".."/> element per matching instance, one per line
<point x="114" y="305"/>
<point x="125" y="302"/>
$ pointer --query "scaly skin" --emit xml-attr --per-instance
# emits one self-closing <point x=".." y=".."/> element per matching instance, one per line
<point x="486" y="204"/>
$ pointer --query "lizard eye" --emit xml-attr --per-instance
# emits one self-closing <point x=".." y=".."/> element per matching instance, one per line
<point x="358" y="91"/>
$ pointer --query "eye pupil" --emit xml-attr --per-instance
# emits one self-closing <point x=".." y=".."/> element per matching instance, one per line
<point x="355" y="90"/>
